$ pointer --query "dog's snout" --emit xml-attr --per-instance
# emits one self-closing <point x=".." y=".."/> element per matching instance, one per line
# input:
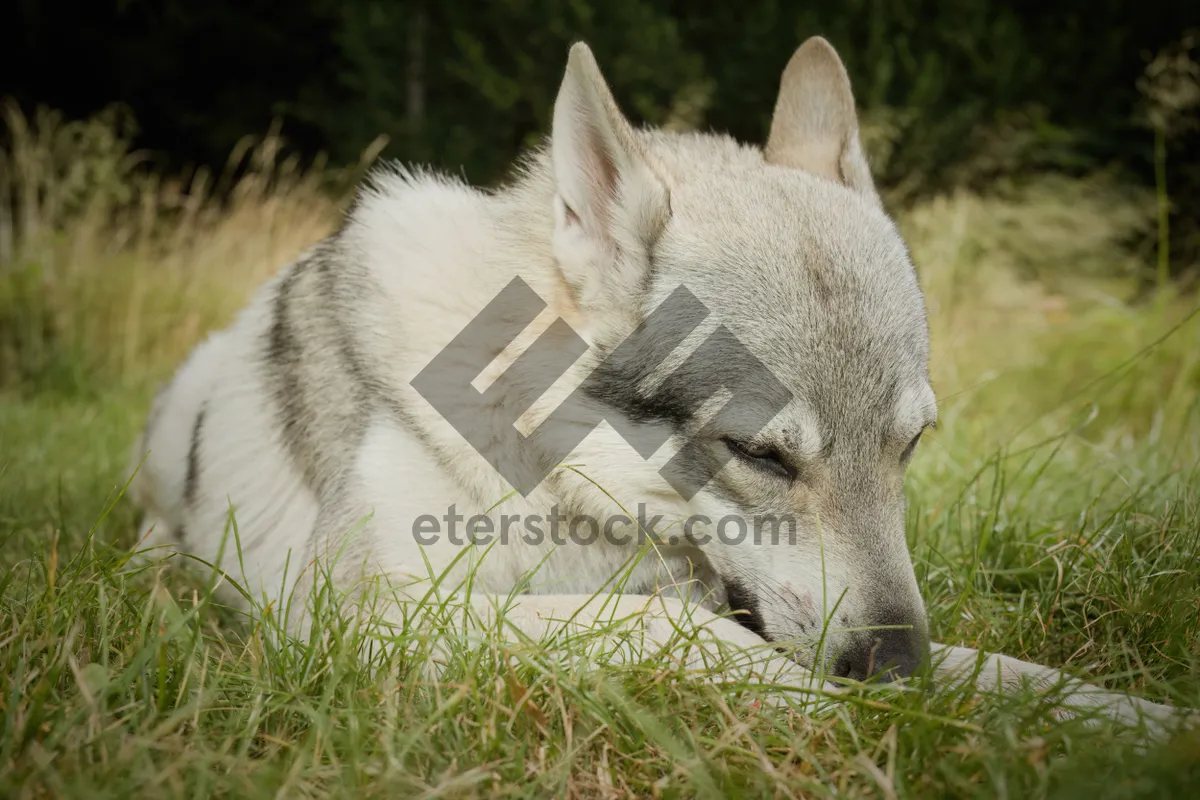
<point x="885" y="654"/>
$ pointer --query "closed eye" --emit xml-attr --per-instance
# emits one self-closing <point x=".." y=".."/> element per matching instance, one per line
<point x="760" y="457"/>
<point x="908" y="451"/>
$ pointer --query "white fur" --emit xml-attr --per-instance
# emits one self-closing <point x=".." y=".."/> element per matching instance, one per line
<point x="579" y="232"/>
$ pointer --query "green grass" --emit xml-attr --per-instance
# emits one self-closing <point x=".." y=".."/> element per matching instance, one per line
<point x="1055" y="516"/>
<point x="119" y="685"/>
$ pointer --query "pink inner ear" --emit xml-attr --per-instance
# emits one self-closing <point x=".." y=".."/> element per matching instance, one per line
<point x="600" y="176"/>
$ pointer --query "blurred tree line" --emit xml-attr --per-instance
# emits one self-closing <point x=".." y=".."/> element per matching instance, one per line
<point x="954" y="93"/>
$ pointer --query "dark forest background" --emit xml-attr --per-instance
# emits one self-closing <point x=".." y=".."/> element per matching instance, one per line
<point x="953" y="93"/>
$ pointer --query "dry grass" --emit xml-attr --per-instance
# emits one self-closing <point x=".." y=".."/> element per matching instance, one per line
<point x="114" y="270"/>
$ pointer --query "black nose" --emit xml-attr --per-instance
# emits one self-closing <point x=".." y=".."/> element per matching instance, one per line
<point x="883" y="655"/>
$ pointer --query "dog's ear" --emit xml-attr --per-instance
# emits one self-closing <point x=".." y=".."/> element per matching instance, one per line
<point x="815" y="125"/>
<point x="608" y="191"/>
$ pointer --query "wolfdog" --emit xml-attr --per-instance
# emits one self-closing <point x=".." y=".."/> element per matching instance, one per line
<point x="716" y="332"/>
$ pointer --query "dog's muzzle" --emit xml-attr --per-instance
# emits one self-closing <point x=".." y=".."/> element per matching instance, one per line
<point x="883" y="655"/>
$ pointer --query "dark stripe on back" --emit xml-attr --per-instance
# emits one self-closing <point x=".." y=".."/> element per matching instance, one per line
<point x="191" y="480"/>
<point x="282" y="358"/>
<point x="363" y="387"/>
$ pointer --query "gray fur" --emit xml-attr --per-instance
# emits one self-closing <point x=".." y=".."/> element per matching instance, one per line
<point x="311" y="414"/>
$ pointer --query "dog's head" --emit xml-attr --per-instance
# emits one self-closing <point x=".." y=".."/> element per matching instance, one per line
<point x="825" y="375"/>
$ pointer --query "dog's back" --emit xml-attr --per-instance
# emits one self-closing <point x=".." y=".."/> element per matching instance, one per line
<point x="265" y="416"/>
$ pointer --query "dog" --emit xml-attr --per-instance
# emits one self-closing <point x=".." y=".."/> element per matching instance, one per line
<point x="705" y="330"/>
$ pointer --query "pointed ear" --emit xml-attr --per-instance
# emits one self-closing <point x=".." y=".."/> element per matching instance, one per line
<point x="815" y="125"/>
<point x="606" y="185"/>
